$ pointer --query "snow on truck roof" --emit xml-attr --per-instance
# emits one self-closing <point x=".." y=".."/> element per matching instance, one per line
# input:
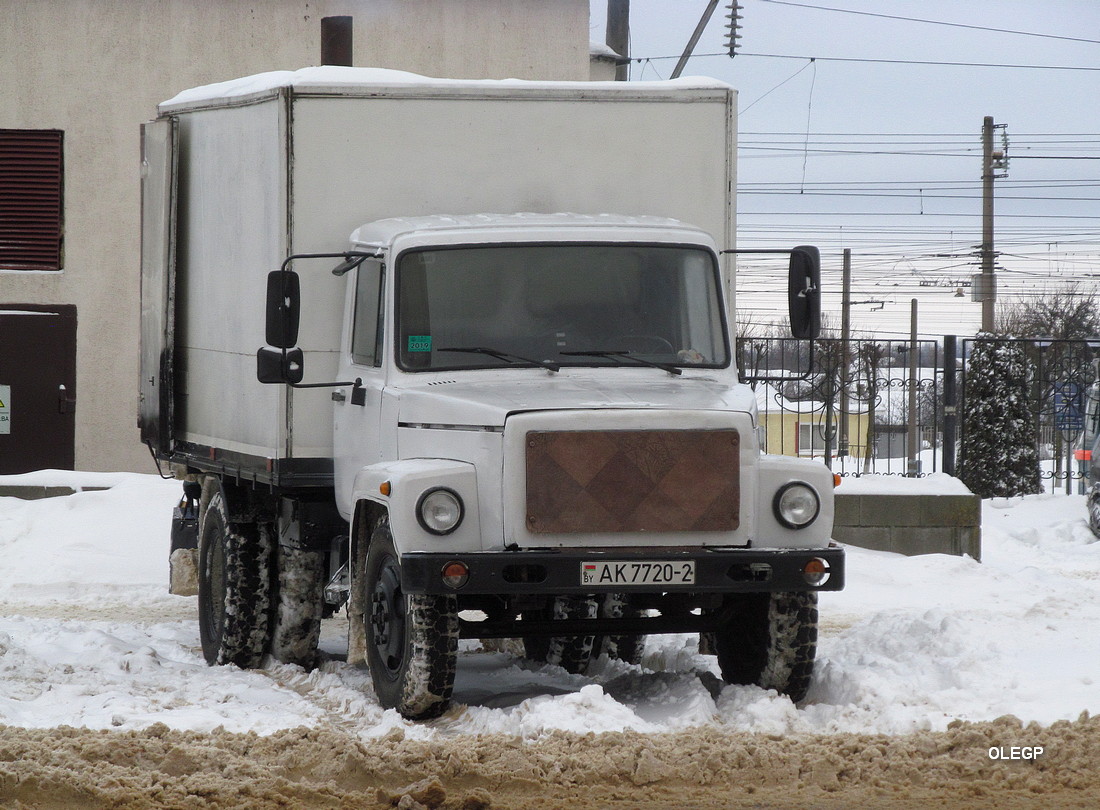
<point x="333" y="80"/>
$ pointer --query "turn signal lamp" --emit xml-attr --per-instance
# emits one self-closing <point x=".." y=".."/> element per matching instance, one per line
<point x="816" y="572"/>
<point x="455" y="575"/>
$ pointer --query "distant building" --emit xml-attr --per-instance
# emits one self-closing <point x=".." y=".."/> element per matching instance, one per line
<point x="799" y="428"/>
<point x="79" y="79"/>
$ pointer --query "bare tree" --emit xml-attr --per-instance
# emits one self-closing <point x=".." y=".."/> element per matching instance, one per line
<point x="1068" y="314"/>
<point x="753" y="345"/>
<point x="868" y="382"/>
<point x="1072" y="313"/>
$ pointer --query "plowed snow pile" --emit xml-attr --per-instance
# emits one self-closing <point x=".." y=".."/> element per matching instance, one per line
<point x="105" y="700"/>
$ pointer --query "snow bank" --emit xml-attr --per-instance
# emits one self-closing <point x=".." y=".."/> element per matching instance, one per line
<point x="90" y="637"/>
<point x="931" y="484"/>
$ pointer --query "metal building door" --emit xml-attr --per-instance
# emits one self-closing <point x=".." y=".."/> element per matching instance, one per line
<point x="37" y="387"/>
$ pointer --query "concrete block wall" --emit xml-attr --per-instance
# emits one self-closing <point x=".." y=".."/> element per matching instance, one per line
<point x="910" y="524"/>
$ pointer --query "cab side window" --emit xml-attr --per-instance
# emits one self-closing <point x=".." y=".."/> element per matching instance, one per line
<point x="366" y="339"/>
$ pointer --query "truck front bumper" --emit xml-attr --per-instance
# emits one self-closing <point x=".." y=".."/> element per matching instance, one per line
<point x="558" y="571"/>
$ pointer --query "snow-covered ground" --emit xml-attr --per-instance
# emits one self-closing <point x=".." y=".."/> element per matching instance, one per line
<point x="90" y="637"/>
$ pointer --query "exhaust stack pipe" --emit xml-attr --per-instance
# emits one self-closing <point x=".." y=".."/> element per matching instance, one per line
<point x="336" y="41"/>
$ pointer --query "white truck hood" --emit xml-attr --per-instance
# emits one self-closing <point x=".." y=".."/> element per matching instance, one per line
<point x="487" y="403"/>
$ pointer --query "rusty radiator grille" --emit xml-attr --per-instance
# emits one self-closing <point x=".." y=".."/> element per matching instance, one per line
<point x="590" y="481"/>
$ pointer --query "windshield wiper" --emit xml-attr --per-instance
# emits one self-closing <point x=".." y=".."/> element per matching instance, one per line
<point x="628" y="356"/>
<point x="507" y="357"/>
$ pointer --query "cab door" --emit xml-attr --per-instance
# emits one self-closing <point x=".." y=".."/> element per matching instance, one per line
<point x="358" y="408"/>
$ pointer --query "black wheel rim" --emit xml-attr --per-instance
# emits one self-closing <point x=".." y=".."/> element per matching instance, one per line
<point x="215" y="591"/>
<point x="387" y="618"/>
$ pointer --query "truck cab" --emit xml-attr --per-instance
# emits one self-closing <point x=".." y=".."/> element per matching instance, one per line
<point x="540" y="433"/>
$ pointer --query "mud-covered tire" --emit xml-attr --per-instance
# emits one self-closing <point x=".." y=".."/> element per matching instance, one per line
<point x="235" y="588"/>
<point x="298" y="607"/>
<point x="770" y="641"/>
<point x="411" y="639"/>
<point x="627" y="647"/>
<point x="571" y="653"/>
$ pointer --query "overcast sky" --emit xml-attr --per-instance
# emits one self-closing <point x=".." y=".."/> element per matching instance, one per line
<point x="884" y="157"/>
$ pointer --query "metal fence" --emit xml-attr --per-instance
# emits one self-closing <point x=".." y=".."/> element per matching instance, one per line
<point x="893" y="406"/>
<point x="862" y="406"/>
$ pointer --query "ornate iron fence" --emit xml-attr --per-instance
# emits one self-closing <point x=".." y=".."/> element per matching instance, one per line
<point x="891" y="406"/>
<point x="865" y="406"/>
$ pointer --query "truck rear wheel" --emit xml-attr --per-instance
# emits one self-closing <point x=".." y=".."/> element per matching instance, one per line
<point x="412" y="639"/>
<point x="771" y="642"/>
<point x="234" y="588"/>
<point x="572" y="653"/>
<point x="297" y="619"/>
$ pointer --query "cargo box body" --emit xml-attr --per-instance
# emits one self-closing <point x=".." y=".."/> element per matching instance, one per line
<point x="515" y="415"/>
<point x="239" y="176"/>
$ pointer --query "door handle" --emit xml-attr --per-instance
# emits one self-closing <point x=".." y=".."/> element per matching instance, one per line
<point x="65" y="403"/>
<point x="339" y="396"/>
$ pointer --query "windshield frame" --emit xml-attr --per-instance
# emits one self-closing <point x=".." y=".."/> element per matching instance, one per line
<point x="483" y="362"/>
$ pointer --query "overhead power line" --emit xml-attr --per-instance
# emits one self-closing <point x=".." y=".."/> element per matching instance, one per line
<point x="934" y="22"/>
<point x="882" y="61"/>
<point x="968" y="135"/>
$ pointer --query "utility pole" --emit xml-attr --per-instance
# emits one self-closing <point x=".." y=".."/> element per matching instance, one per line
<point x="913" y="439"/>
<point x="707" y="13"/>
<point x="989" y="290"/>
<point x="618" y="35"/>
<point x="992" y="162"/>
<point x="845" y="351"/>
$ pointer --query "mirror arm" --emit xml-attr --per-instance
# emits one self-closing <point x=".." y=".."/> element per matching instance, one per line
<point x="358" y="383"/>
<point x="352" y="259"/>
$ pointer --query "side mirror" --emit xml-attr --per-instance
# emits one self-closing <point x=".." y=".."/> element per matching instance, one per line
<point x="284" y="305"/>
<point x="285" y="366"/>
<point x="804" y="291"/>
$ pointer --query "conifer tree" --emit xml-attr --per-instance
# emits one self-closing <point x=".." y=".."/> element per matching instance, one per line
<point x="998" y="454"/>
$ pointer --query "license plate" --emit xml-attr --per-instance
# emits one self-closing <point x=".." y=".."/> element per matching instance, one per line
<point x="654" y="572"/>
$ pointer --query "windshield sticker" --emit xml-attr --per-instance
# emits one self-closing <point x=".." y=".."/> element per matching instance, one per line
<point x="420" y="343"/>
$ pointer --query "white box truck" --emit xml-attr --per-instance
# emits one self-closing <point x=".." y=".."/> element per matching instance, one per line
<point x="514" y="412"/>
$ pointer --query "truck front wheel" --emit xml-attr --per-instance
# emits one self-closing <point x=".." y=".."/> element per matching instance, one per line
<point x="770" y="641"/>
<point x="412" y="639"/>
<point x="235" y="598"/>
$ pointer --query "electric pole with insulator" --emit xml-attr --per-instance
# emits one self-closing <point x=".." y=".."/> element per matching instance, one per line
<point x="733" y="27"/>
<point x="993" y="161"/>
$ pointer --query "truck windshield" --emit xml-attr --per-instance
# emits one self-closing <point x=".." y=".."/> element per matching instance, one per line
<point x="554" y="305"/>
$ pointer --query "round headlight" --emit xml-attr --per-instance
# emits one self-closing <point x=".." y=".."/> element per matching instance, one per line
<point x="439" y="511"/>
<point x="796" y="505"/>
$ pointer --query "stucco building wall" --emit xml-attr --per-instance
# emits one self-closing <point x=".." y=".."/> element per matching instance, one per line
<point x="96" y="69"/>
